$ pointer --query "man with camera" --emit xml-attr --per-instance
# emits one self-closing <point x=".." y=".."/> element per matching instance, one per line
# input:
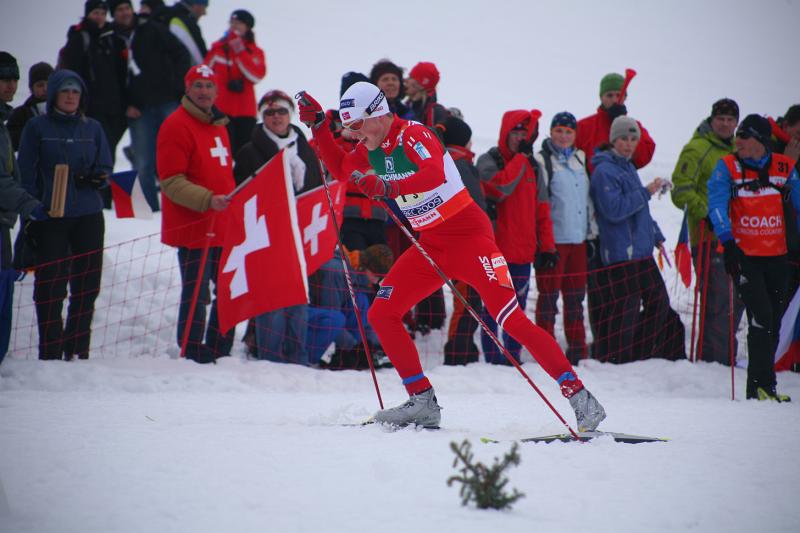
<point x="239" y="65"/>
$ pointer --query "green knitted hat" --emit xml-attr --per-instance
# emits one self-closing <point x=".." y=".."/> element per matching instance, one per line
<point x="611" y="82"/>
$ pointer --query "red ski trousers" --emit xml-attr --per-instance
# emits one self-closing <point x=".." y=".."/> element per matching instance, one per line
<point x="462" y="247"/>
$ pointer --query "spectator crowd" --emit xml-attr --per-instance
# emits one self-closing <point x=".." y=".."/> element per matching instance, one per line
<point x="572" y="216"/>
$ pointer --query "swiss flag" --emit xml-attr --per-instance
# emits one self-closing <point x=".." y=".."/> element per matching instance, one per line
<point x="262" y="267"/>
<point x="316" y="224"/>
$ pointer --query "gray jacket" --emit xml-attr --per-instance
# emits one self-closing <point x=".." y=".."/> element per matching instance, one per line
<point x="14" y="200"/>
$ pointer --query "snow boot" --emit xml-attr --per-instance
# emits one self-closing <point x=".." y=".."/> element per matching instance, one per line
<point x="764" y="393"/>
<point x="588" y="411"/>
<point x="421" y="409"/>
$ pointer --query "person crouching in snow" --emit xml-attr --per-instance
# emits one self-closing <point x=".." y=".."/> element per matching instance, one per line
<point x="403" y="160"/>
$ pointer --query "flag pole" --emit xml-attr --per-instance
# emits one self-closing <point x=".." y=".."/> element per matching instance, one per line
<point x="732" y="336"/>
<point x="252" y="176"/>
<point x="199" y="281"/>
<point x="698" y="270"/>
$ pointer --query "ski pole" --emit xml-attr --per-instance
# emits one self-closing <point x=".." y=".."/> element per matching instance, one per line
<point x="346" y="266"/>
<point x="475" y="315"/>
<point x="731" y="337"/>
<point x="198" y="282"/>
<point x="698" y="270"/>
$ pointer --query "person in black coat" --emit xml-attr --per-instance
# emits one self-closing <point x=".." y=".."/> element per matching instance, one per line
<point x="35" y="104"/>
<point x="273" y="134"/>
<point x="157" y="62"/>
<point x="96" y="54"/>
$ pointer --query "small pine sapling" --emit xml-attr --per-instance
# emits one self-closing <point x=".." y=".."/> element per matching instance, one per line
<point x="483" y="485"/>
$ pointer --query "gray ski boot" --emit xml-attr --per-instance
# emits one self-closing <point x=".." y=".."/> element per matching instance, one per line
<point x="420" y="409"/>
<point x="588" y="411"/>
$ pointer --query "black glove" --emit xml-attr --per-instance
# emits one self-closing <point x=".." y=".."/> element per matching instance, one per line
<point x="525" y="147"/>
<point x="546" y="260"/>
<point x="95" y="180"/>
<point x="733" y="258"/>
<point x="616" y="110"/>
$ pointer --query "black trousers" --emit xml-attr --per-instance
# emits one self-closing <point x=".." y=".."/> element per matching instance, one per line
<point x="240" y="130"/>
<point x="220" y="344"/>
<point x="639" y="323"/>
<point x="763" y="287"/>
<point x="70" y="253"/>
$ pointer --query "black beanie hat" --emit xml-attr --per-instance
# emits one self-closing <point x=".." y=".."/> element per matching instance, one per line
<point x="9" y="69"/>
<point x="725" y="106"/>
<point x="456" y="132"/>
<point x="791" y="116"/>
<point x="153" y="4"/>
<point x="384" y="66"/>
<point x="39" y="72"/>
<point x="91" y="5"/>
<point x="113" y="4"/>
<point x="757" y="127"/>
<point x="242" y="15"/>
<point x="349" y="78"/>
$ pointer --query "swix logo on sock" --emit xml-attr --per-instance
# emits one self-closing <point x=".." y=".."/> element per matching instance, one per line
<point x="501" y="269"/>
<point x="384" y="292"/>
<point x="487" y="267"/>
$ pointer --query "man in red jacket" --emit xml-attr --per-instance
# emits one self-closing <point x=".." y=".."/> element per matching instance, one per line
<point x="593" y="130"/>
<point x="196" y="171"/>
<point x="403" y="160"/>
<point x="239" y="65"/>
<point x="520" y="205"/>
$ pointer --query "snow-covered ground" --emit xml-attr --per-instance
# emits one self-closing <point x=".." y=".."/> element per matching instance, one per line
<point x="134" y="440"/>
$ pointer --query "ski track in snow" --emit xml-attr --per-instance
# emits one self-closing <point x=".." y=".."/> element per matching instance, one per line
<point x="134" y="440"/>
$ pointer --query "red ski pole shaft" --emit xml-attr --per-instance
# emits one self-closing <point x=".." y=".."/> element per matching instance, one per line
<point x="697" y="287"/>
<point x="704" y="300"/>
<point x="196" y="293"/>
<point x="475" y="315"/>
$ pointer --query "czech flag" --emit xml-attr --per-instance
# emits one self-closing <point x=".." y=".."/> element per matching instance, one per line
<point x="788" y="351"/>
<point x="683" y="255"/>
<point x="129" y="200"/>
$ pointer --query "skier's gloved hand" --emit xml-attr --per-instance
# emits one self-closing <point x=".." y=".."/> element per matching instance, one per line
<point x="546" y="260"/>
<point x="733" y="256"/>
<point x="375" y="187"/>
<point x="616" y="110"/>
<point x="311" y="113"/>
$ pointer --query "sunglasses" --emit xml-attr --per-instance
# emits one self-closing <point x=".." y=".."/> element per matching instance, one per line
<point x="743" y="134"/>
<point x="277" y="111"/>
<point x="355" y="125"/>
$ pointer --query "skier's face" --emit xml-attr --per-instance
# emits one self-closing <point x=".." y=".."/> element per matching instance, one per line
<point x="748" y="147"/>
<point x="373" y="131"/>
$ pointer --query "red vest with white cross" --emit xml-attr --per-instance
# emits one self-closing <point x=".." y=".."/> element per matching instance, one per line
<point x="201" y="152"/>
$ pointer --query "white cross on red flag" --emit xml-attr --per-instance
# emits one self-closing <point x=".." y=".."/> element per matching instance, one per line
<point x="263" y="266"/>
<point x="316" y="226"/>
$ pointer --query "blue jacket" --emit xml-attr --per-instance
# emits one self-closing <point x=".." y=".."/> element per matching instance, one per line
<point x="720" y="188"/>
<point x="55" y="138"/>
<point x="627" y="231"/>
<point x="569" y="192"/>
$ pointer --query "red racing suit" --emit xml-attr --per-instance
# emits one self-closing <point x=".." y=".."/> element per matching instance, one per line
<point x="455" y="233"/>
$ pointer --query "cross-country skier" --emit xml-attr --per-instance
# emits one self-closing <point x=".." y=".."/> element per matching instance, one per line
<point x="403" y="160"/>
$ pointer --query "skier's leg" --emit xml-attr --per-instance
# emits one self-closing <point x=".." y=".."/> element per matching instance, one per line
<point x="409" y="280"/>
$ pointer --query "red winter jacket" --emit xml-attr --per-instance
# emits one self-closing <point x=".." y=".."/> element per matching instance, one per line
<point x="523" y="223"/>
<point x="194" y="162"/>
<point x="248" y="65"/>
<point x="593" y="131"/>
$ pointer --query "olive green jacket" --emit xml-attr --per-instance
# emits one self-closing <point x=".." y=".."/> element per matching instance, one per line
<point x="690" y="177"/>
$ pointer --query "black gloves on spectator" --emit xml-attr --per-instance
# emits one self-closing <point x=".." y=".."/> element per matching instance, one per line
<point x="546" y="260"/>
<point x="525" y="147"/>
<point x="95" y="180"/>
<point x="617" y="110"/>
<point x="733" y="258"/>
